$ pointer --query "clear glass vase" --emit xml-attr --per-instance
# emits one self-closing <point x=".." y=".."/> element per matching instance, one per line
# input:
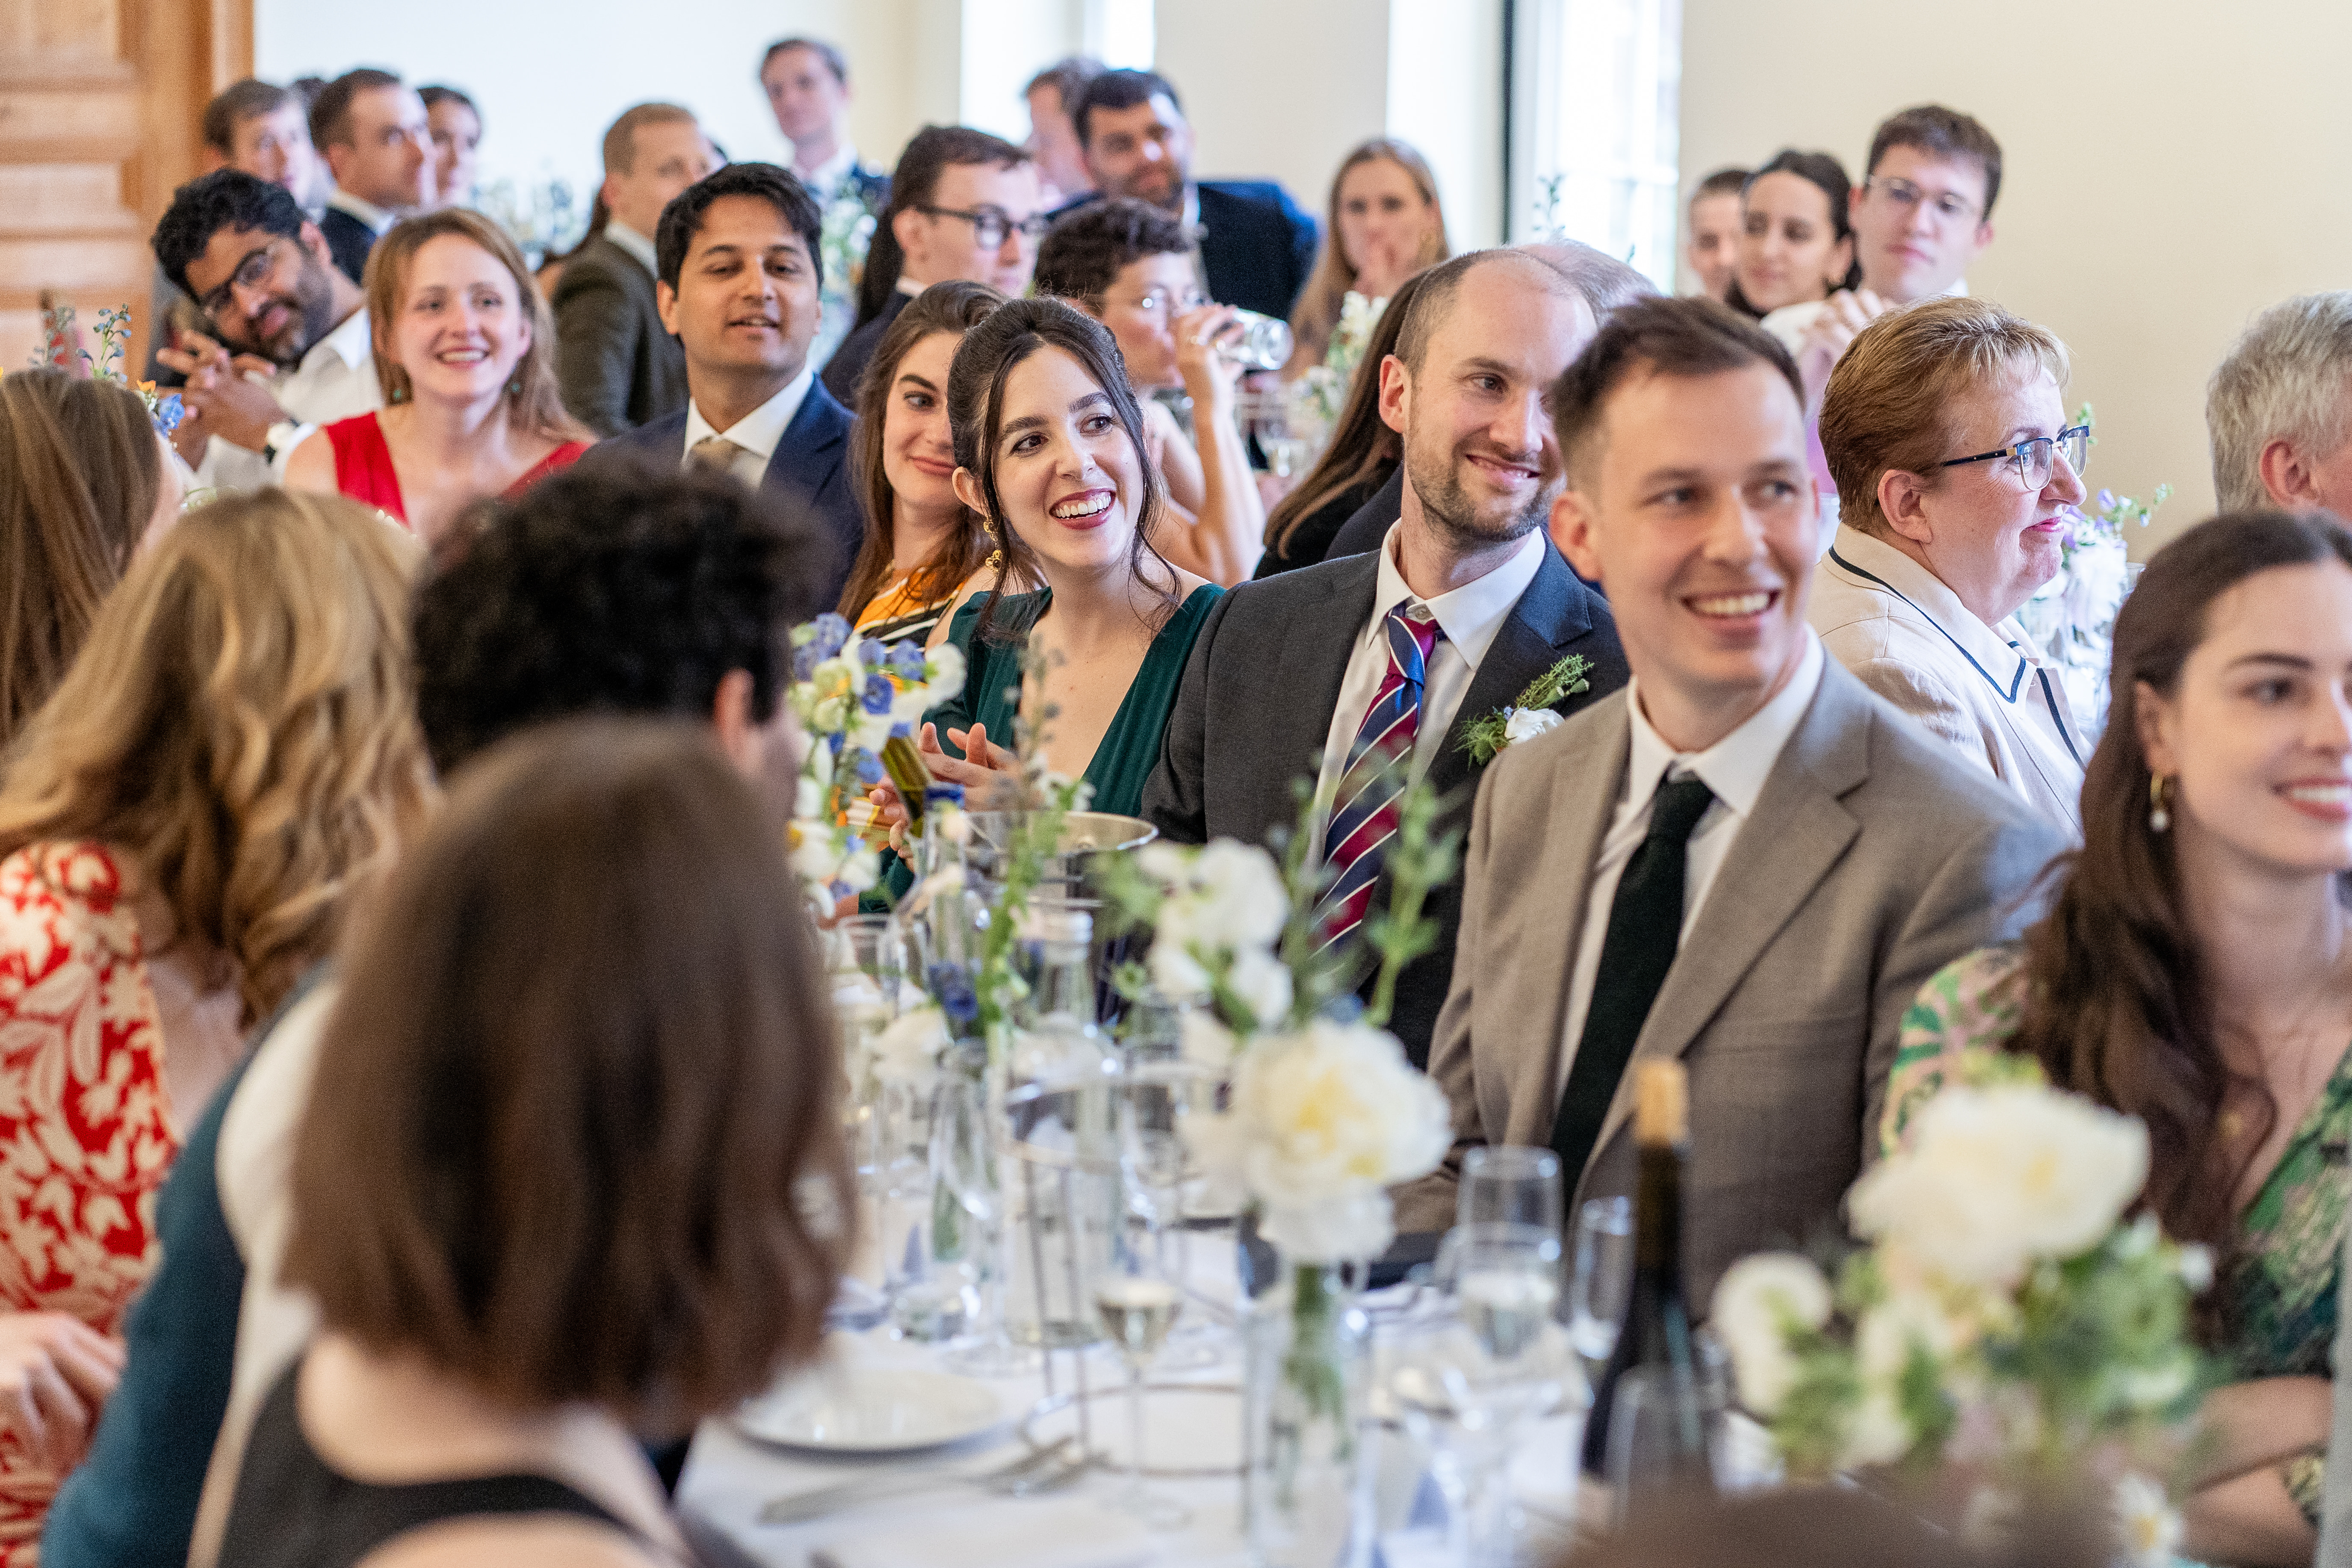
<point x="1305" y="1374"/>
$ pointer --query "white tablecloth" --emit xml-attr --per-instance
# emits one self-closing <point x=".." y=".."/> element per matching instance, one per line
<point x="730" y="1477"/>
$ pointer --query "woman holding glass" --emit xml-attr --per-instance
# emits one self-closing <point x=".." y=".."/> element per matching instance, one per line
<point x="1050" y="450"/>
<point x="2195" y="971"/>
<point x="926" y="553"/>
<point x="1129" y="266"/>
<point x="465" y="352"/>
<point x="1957" y="480"/>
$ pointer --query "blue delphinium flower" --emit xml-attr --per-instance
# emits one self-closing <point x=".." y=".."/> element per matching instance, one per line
<point x="905" y="661"/>
<point x="169" y="413"/>
<point x="871" y="653"/>
<point x="957" y="998"/>
<point x="831" y="635"/>
<point x="870" y="769"/>
<point x="879" y="694"/>
<point x="805" y="659"/>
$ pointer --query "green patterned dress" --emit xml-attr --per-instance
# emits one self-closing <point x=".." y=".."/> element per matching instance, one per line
<point x="2283" y="1276"/>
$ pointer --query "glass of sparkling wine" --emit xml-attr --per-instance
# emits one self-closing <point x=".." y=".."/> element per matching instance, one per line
<point x="1139" y="1303"/>
<point x="1604" y="1279"/>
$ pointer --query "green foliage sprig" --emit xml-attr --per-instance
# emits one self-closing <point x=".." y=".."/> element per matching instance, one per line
<point x="1485" y="736"/>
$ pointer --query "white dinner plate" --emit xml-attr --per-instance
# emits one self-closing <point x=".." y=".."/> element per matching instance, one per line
<point x="872" y="1410"/>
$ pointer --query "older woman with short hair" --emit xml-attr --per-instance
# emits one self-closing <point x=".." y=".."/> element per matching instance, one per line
<point x="1957" y="479"/>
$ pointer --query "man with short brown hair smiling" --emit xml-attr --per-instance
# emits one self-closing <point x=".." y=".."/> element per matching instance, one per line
<point x="740" y="278"/>
<point x="1746" y="861"/>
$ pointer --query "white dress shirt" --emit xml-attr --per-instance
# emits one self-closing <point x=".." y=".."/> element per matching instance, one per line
<point x="1470" y="616"/>
<point x="756" y="434"/>
<point x="377" y="219"/>
<point x="1735" y="768"/>
<point x="335" y="379"/>
<point x="825" y="181"/>
<point x="639" y="248"/>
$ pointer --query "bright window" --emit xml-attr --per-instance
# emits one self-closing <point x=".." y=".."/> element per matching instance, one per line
<point x="1596" y="95"/>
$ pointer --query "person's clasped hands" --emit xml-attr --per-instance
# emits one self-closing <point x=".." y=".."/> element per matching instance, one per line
<point x="222" y="396"/>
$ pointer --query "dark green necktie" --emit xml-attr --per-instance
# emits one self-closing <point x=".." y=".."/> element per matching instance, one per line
<point x="1645" y="926"/>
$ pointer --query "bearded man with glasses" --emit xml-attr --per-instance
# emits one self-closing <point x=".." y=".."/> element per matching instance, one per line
<point x="1957" y="477"/>
<point x="289" y="349"/>
<point x="965" y="207"/>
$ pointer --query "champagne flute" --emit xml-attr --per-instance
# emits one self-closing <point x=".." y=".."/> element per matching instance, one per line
<point x="1140" y="1304"/>
<point x="964" y="1144"/>
<point x="1603" y="1281"/>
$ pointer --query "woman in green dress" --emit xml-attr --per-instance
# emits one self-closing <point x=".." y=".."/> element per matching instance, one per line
<point x="2195" y="971"/>
<point x="1049" y="449"/>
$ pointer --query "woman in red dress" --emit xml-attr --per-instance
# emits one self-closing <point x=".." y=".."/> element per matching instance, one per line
<point x="233" y="754"/>
<point x="464" y="349"/>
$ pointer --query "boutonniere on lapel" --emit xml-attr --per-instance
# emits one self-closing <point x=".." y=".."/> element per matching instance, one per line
<point x="1530" y="716"/>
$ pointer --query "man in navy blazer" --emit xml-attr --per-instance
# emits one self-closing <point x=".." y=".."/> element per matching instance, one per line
<point x="739" y="278"/>
<point x="1256" y="246"/>
<point x="1285" y="670"/>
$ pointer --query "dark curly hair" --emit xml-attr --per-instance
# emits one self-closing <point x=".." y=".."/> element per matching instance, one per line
<point x="225" y="198"/>
<point x="616" y="587"/>
<point x="1082" y="256"/>
<point x="682" y="219"/>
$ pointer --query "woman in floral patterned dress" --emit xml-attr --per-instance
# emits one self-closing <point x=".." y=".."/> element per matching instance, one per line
<point x="2196" y="971"/>
<point x="234" y="750"/>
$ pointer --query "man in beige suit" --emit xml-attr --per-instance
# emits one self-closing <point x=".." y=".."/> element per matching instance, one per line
<point x="1745" y="861"/>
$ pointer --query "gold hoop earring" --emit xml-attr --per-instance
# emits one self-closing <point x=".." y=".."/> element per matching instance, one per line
<point x="2159" y="816"/>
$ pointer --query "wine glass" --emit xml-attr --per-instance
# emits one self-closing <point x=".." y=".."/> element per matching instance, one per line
<point x="1150" y="1097"/>
<point x="964" y="1150"/>
<point x="1603" y="1281"/>
<point x="1507" y="1185"/>
<point x="1288" y="451"/>
<point x="1465" y="1404"/>
<point x="1140" y="1303"/>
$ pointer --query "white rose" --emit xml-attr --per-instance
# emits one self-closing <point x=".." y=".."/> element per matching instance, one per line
<point x="1205" y="1042"/>
<point x="1876" y="1432"/>
<point x="1333" y="1109"/>
<point x="2145" y="1520"/>
<point x="1890" y="1334"/>
<point x="909" y="1050"/>
<point x="1241" y="888"/>
<point x="1527" y="723"/>
<point x="1994" y="1178"/>
<point x="1175" y="971"/>
<point x="1758" y="1301"/>
<point x="1352" y="1225"/>
<point x="1262" y="982"/>
<point x="945" y="680"/>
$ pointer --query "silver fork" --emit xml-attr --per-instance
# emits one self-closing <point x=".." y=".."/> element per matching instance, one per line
<point x="1041" y="1470"/>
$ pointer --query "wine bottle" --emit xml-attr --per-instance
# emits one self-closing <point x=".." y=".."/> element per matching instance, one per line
<point x="1661" y="1445"/>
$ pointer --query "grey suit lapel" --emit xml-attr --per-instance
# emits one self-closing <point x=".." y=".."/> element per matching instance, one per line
<point x="1311" y="668"/>
<point x="1583" y="787"/>
<point x="1794" y="839"/>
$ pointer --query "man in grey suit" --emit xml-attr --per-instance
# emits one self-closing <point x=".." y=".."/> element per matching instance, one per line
<point x="1288" y="670"/>
<point x="1746" y="861"/>
<point x="617" y="365"/>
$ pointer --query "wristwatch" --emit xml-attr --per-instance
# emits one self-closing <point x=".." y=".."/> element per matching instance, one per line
<point x="278" y="444"/>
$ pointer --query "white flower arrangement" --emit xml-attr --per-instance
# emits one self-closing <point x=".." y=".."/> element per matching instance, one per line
<point x="852" y="697"/>
<point x="2006" y="1318"/>
<point x="1321" y="1121"/>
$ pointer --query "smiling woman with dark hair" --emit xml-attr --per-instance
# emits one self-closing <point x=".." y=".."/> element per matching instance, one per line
<point x="1049" y="451"/>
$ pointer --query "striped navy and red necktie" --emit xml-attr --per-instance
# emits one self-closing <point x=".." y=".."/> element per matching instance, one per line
<point x="1364" y="809"/>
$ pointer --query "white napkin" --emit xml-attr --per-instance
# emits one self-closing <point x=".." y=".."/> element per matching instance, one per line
<point x="1072" y="1534"/>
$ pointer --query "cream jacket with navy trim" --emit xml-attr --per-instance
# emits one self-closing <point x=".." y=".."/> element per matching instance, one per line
<point x="1983" y="689"/>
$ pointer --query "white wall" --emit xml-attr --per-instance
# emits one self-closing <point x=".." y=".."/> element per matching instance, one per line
<point x="2172" y="168"/>
<point x="550" y="79"/>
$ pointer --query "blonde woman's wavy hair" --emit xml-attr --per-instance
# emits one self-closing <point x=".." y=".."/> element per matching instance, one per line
<point x="242" y="722"/>
<point x="533" y="403"/>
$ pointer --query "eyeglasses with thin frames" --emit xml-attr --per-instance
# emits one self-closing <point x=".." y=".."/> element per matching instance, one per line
<point x="2037" y="457"/>
<point x="1158" y="303"/>
<point x="991" y="224"/>
<point x="251" y="273"/>
<point x="1949" y="209"/>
